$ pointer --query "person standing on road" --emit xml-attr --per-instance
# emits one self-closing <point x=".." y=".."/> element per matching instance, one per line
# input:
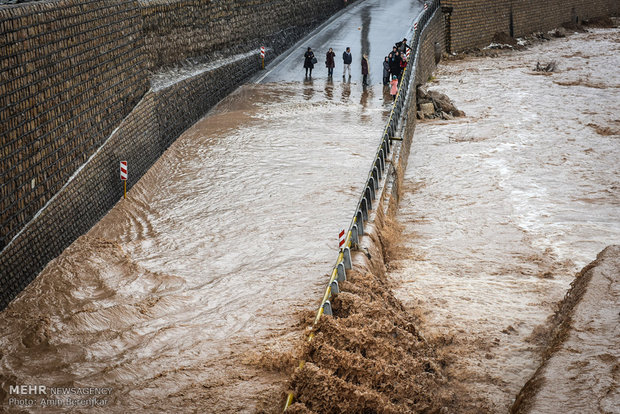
<point x="403" y="63"/>
<point x="365" y="70"/>
<point x="403" y="46"/>
<point x="309" y="61"/>
<point x="330" y="62"/>
<point x="386" y="71"/>
<point x="347" y="58"/>
<point x="397" y="69"/>
<point x="394" y="63"/>
<point x="394" y="87"/>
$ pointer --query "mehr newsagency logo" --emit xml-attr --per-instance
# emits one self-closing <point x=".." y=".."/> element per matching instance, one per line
<point x="44" y="396"/>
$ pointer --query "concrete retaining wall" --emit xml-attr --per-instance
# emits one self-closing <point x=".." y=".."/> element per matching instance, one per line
<point x="433" y="33"/>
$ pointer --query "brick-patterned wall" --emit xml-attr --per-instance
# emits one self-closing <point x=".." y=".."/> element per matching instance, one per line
<point x="532" y="16"/>
<point x="472" y="23"/>
<point x="70" y="71"/>
<point x="141" y="138"/>
<point x="176" y="30"/>
<point x="433" y="33"/>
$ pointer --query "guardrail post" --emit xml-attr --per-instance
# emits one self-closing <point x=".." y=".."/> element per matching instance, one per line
<point x="355" y="237"/>
<point x="365" y="205"/>
<point x="371" y="187"/>
<point x="377" y="176"/>
<point x="335" y="287"/>
<point x="348" y="264"/>
<point x="327" y="308"/>
<point x="342" y="275"/>
<point x="360" y="222"/>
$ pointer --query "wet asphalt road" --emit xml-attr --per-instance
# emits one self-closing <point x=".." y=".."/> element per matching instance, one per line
<point x="371" y="27"/>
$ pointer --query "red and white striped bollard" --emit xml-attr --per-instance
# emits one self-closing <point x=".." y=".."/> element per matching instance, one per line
<point x="262" y="56"/>
<point x="124" y="177"/>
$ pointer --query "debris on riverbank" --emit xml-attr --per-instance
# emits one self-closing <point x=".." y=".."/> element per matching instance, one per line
<point x="605" y="22"/>
<point x="433" y="104"/>
<point x="549" y="67"/>
<point x="504" y="43"/>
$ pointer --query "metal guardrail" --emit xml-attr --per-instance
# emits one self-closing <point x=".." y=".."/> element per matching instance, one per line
<point x="377" y="170"/>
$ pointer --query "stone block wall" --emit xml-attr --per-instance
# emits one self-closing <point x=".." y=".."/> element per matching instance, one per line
<point x="176" y="30"/>
<point x="70" y="71"/>
<point x="73" y="92"/>
<point x="433" y="34"/>
<point x="533" y="16"/>
<point x="473" y="23"/>
<point x="154" y="124"/>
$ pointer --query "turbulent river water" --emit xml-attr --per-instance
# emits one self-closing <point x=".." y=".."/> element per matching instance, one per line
<point x="187" y="293"/>
<point x="174" y="295"/>
<point x="187" y="296"/>
<point x="503" y="207"/>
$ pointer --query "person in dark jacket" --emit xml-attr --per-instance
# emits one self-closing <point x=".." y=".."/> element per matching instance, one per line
<point x="309" y="61"/>
<point x="394" y="60"/>
<point x="402" y="46"/>
<point x="365" y="70"/>
<point x="386" y="71"/>
<point x="347" y="59"/>
<point x="330" y="63"/>
<point x="398" y="70"/>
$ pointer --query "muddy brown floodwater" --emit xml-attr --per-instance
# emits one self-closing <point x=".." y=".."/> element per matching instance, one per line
<point x="187" y="293"/>
<point x="581" y="363"/>
<point x="502" y="208"/>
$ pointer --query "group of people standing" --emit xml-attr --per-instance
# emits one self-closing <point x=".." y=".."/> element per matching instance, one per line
<point x="393" y="65"/>
<point x="330" y="63"/>
<point x="395" y="62"/>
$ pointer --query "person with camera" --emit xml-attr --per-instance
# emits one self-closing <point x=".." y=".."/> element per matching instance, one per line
<point x="309" y="61"/>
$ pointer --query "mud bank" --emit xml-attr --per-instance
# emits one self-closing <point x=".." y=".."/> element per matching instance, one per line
<point x="580" y="370"/>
